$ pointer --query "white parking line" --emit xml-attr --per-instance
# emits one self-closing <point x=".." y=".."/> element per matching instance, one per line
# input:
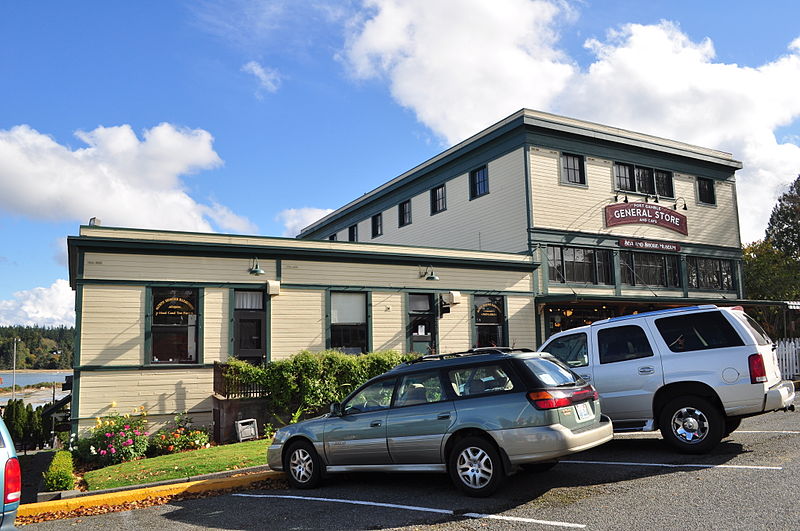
<point x="668" y="465"/>
<point x="766" y="431"/>
<point x="418" y="508"/>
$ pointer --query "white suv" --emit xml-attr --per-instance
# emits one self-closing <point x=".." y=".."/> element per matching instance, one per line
<point x="693" y="372"/>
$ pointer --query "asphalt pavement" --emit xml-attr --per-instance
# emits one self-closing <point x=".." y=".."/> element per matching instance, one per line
<point x="635" y="482"/>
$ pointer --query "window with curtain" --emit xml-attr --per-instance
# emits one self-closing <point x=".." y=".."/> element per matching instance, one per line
<point x="349" y="322"/>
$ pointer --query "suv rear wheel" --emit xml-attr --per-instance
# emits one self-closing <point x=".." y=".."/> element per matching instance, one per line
<point x="475" y="467"/>
<point x="691" y="424"/>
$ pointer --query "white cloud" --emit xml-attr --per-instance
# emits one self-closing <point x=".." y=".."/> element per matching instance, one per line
<point x="296" y="219"/>
<point x="462" y="65"/>
<point x="119" y="178"/>
<point x="52" y="306"/>
<point x="269" y="79"/>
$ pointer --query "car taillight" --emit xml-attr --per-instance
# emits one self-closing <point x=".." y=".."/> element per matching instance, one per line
<point x="758" y="373"/>
<point x="13" y="481"/>
<point x="556" y="398"/>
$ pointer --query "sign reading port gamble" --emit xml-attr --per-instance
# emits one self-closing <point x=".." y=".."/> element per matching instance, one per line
<point x="646" y="214"/>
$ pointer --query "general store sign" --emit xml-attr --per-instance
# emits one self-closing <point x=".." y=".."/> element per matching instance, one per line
<point x="646" y="214"/>
<point x="649" y="246"/>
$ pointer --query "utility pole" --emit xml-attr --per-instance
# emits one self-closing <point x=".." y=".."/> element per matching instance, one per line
<point x="14" y="371"/>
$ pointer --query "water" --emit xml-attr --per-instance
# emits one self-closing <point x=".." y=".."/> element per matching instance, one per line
<point x="31" y="378"/>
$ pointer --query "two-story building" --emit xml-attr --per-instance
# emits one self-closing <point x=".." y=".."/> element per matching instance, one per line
<point x="620" y="221"/>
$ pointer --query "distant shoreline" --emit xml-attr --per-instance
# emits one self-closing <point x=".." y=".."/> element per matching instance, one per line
<point x="34" y="371"/>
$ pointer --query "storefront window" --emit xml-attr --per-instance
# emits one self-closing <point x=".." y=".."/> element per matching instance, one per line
<point x="349" y="322"/>
<point x="174" y="325"/>
<point x="576" y="264"/>
<point x="489" y="321"/>
<point x="649" y="269"/>
<point x="710" y="273"/>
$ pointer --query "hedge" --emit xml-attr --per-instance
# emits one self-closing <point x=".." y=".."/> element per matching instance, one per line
<point x="308" y="382"/>
<point x="58" y="475"/>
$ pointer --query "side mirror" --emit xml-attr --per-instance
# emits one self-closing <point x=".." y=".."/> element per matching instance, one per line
<point x="336" y="409"/>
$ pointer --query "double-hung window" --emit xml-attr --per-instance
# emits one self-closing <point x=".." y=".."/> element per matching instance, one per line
<point x="404" y="213"/>
<point x="572" y="169"/>
<point x="174" y="323"/>
<point x="352" y="233"/>
<point x="438" y="200"/>
<point x="478" y="182"/>
<point x="705" y="191"/>
<point x="348" y="330"/>
<point x="377" y="225"/>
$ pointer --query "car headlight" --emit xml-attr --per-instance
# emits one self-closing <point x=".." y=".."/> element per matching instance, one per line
<point x="280" y="437"/>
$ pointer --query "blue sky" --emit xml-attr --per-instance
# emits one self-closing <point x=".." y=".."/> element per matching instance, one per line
<point x="235" y="116"/>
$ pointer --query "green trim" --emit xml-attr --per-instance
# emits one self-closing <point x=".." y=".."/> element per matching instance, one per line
<point x="148" y="324"/>
<point x="369" y="321"/>
<point x="506" y="335"/>
<point x="406" y="319"/>
<point x="74" y="407"/>
<point x="151" y="367"/>
<point x="278" y="269"/>
<point x="193" y="411"/>
<point x="168" y="284"/>
<point x="526" y="164"/>
<point x="201" y="303"/>
<point x="473" y="333"/>
<point x="688" y="301"/>
<point x="616" y="265"/>
<point x="538" y="324"/>
<point x="327" y="318"/>
<point x="268" y="326"/>
<point x="231" y="321"/>
<point x="683" y="269"/>
<point x="76" y="340"/>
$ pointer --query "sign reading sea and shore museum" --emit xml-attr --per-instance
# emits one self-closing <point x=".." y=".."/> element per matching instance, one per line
<point x="645" y="213"/>
<point x="649" y="246"/>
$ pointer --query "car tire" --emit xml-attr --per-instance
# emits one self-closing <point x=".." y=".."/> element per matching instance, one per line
<point x="731" y="425"/>
<point x="538" y="468"/>
<point x="475" y="467"/>
<point x="691" y="424"/>
<point x="303" y="466"/>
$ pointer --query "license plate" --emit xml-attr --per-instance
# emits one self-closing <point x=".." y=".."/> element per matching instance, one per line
<point x="584" y="411"/>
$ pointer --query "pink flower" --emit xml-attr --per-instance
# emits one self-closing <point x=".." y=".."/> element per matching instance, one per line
<point x="137" y="432"/>
<point x="122" y="434"/>
<point x="103" y="452"/>
<point x="111" y="445"/>
<point x="130" y="441"/>
<point x="108" y="434"/>
<point x="113" y="451"/>
<point x="146" y="433"/>
<point x="127" y="427"/>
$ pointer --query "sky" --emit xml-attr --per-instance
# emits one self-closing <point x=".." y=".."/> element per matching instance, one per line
<point x="258" y="117"/>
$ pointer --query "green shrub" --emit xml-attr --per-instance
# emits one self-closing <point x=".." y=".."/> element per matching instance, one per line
<point x="182" y="436"/>
<point x="58" y="475"/>
<point x="308" y="382"/>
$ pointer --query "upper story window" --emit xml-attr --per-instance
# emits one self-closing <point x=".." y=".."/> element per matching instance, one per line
<point x="574" y="264"/>
<point x="478" y="182"/>
<point x="352" y="233"/>
<point x="404" y="213"/>
<point x="332" y="237"/>
<point x="572" y="169"/>
<point x="649" y="269"/>
<point x="377" y="225"/>
<point x="438" y="200"/>
<point x="630" y="178"/>
<point x="705" y="191"/>
<point x="174" y="325"/>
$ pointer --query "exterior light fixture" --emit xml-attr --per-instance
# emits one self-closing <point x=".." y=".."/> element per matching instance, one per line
<point x="427" y="273"/>
<point x="655" y="199"/>
<point x="626" y="199"/>
<point x="256" y="270"/>
<point x="616" y="198"/>
<point x="647" y="199"/>
<point x="675" y="206"/>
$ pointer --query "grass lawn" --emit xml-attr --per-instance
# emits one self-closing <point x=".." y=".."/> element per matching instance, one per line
<point x="184" y="464"/>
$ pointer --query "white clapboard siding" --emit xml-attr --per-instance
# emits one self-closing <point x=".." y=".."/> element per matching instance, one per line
<point x="388" y="332"/>
<point x="215" y="325"/>
<point x="788" y="352"/>
<point x="298" y="322"/>
<point x="521" y="322"/>
<point x="573" y="208"/>
<point x="454" y="327"/>
<point x="112" y="325"/>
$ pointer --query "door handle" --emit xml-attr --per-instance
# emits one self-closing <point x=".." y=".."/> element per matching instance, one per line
<point x="586" y="377"/>
<point x="375" y="424"/>
<point x="443" y="416"/>
<point x="646" y="370"/>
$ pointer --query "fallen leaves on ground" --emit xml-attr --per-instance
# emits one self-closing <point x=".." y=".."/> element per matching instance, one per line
<point x="267" y="484"/>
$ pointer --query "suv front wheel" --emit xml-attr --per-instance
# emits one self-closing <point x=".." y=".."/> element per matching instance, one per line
<point x="475" y="467"/>
<point x="691" y="424"/>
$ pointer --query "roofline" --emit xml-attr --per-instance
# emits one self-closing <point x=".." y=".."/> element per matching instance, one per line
<point x="529" y="117"/>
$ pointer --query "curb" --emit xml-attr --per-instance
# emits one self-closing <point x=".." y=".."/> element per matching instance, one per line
<point x="118" y="498"/>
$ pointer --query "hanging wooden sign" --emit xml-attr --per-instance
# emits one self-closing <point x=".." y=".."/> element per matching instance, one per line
<point x="645" y="214"/>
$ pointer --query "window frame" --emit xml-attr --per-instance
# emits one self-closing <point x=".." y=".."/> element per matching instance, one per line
<point x="566" y="171"/>
<point x="665" y="267"/>
<point x="352" y="233"/>
<point x="241" y="314"/>
<point x="366" y="346"/>
<point x="404" y="213"/>
<point x="479" y="182"/>
<point x="438" y="201"/>
<point x="149" y="311"/>
<point x="604" y="361"/>
<point x="726" y="280"/>
<point x="560" y="252"/>
<point x="636" y="175"/>
<point x="712" y="190"/>
<point x="377" y="225"/>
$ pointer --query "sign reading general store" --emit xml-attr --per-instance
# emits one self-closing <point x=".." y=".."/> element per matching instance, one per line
<point x="647" y="214"/>
<point x="649" y="246"/>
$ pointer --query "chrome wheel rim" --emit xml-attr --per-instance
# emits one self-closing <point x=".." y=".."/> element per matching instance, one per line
<point x="301" y="465"/>
<point x="475" y="467"/>
<point x="690" y="425"/>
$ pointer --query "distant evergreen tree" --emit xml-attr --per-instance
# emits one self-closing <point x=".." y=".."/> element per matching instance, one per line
<point x="783" y="230"/>
<point x="38" y="348"/>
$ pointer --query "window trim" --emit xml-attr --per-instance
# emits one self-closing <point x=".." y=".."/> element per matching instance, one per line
<point x="562" y="171"/>
<point x="633" y="178"/>
<point x="401" y="222"/>
<point x="435" y="199"/>
<point x="473" y="182"/>
<point x="352" y="233"/>
<point x="713" y="184"/>
<point x="379" y="218"/>
<point x="561" y="266"/>
<point x="642" y="284"/>
<point x="329" y="314"/>
<point x="148" y="327"/>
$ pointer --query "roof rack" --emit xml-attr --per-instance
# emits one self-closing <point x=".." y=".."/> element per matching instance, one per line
<point x="471" y="352"/>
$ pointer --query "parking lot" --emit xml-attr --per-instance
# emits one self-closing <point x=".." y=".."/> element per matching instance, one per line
<point x="751" y="481"/>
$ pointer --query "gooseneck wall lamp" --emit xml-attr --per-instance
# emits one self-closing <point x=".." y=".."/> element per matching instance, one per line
<point x="428" y="273"/>
<point x="256" y="269"/>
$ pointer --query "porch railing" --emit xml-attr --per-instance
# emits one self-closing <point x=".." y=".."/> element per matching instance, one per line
<point x="227" y="384"/>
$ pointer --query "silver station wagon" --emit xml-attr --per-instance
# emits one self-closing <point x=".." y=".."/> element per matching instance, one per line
<point x="478" y="415"/>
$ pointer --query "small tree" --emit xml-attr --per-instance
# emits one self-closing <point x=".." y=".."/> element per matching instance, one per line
<point x="783" y="229"/>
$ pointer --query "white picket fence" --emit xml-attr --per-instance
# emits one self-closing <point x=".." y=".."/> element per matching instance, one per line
<point x="788" y="351"/>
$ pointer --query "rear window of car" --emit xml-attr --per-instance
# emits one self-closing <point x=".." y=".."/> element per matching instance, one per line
<point x="698" y="331"/>
<point x="480" y="380"/>
<point x="551" y="372"/>
<point x="752" y="325"/>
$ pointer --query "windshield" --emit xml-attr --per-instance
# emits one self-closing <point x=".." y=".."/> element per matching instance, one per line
<point x="551" y="372"/>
